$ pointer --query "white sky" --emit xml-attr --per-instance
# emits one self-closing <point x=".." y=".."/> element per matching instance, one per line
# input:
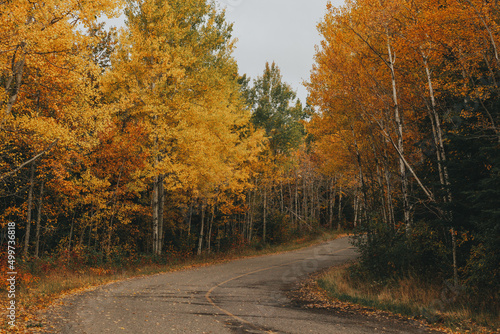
<point x="283" y="31"/>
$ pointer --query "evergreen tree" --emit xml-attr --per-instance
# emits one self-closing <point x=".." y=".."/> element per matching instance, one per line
<point x="277" y="110"/>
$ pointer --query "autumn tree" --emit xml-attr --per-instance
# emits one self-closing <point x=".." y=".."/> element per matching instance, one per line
<point x="43" y="66"/>
<point x="409" y="87"/>
<point x="174" y="77"/>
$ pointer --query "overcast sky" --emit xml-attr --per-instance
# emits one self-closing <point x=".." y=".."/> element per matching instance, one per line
<point x="283" y="31"/>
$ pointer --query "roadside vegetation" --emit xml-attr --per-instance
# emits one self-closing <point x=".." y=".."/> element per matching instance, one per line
<point x="434" y="301"/>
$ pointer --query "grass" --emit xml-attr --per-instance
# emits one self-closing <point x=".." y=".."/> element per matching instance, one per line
<point x="42" y="286"/>
<point x="437" y="303"/>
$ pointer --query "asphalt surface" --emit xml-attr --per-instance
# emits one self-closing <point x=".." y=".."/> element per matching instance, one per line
<point x="241" y="296"/>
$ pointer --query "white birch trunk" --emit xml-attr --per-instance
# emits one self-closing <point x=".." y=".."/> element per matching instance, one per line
<point x="200" y="240"/>
<point x="443" y="169"/>
<point x="400" y="144"/>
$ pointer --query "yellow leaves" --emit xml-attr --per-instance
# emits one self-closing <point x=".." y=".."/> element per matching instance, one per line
<point x="169" y="105"/>
<point x="186" y="105"/>
<point x="351" y="81"/>
<point x="54" y="59"/>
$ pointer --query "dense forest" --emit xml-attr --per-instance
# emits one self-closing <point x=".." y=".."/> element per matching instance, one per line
<point x="147" y="139"/>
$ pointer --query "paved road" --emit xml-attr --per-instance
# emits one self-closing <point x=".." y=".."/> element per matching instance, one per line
<point x="242" y="296"/>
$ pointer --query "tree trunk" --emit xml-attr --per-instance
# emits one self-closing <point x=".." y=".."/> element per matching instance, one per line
<point x="209" y="240"/>
<point x="400" y="145"/>
<point x="252" y="217"/>
<point x="154" y="206"/>
<point x="385" y="211"/>
<point x="296" y="200"/>
<point x="356" y="208"/>
<point x="340" y="208"/>
<point x="427" y="192"/>
<point x="13" y="84"/>
<point x="89" y="243"/>
<point x="113" y="213"/>
<point x="290" y="203"/>
<point x="190" y="218"/>
<point x="304" y="197"/>
<point x="443" y="169"/>
<point x="264" y="222"/>
<point x="361" y="178"/>
<point x="331" y="206"/>
<point x="200" y="240"/>
<point x="454" y="251"/>
<point x="318" y="199"/>
<point x="246" y="228"/>
<point x="38" y="222"/>
<point x="390" y="205"/>
<point x="71" y="233"/>
<point x="161" y="208"/>
<point x="28" y="211"/>
<point x="218" y="239"/>
<point x="437" y="132"/>
<point x="282" y="204"/>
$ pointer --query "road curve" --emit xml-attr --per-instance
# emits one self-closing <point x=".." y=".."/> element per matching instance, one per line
<point x="242" y="296"/>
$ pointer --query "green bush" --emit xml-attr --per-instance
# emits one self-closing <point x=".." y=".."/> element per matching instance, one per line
<point x="386" y="252"/>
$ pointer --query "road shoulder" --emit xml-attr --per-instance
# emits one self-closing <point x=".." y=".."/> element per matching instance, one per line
<point x="309" y="296"/>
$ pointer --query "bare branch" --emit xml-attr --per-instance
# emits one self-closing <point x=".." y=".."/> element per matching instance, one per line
<point x="427" y="192"/>
<point x="29" y="161"/>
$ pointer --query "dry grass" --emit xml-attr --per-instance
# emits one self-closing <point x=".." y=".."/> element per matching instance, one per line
<point x="439" y="304"/>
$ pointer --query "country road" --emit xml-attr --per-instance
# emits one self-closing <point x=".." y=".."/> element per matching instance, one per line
<point x="241" y="296"/>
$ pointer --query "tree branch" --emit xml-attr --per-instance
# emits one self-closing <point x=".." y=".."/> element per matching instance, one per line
<point x="29" y="161"/>
<point x="427" y="192"/>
